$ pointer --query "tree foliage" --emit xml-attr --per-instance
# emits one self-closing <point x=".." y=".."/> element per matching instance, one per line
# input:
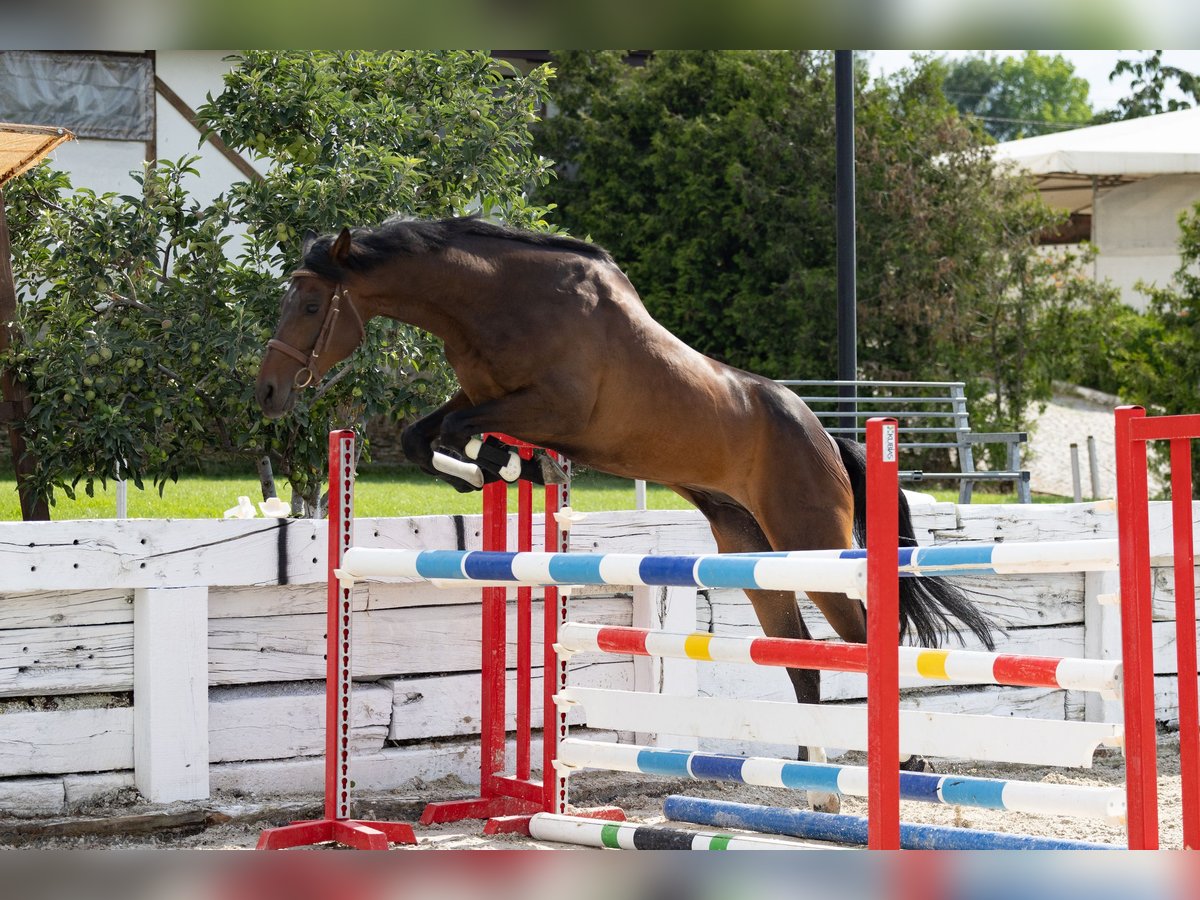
<point x="710" y="176"/>
<point x="144" y="316"/>
<point x="1150" y="87"/>
<point x="1018" y="96"/>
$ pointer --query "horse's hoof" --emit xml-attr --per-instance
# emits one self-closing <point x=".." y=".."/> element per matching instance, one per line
<point x="551" y="472"/>
<point x="826" y="803"/>
<point x="917" y="764"/>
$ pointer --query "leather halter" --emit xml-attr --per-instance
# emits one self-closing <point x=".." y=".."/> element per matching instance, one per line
<point x="308" y="362"/>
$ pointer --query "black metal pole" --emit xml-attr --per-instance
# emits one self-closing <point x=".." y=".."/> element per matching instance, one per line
<point x="847" y="257"/>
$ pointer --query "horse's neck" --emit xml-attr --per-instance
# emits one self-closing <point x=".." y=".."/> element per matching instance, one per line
<point x="440" y="293"/>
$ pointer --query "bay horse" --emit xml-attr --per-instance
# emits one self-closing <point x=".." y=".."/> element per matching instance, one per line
<point x="552" y="345"/>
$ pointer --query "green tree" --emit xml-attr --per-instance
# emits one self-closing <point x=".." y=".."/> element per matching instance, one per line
<point x="143" y="316"/>
<point x="1151" y="82"/>
<point x="1018" y="96"/>
<point x="710" y="176"/>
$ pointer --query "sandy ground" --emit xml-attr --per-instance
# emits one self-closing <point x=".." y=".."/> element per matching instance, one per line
<point x="237" y="825"/>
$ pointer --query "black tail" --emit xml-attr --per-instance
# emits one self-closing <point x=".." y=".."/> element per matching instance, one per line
<point x="926" y="604"/>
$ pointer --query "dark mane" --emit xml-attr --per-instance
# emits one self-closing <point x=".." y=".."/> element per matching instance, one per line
<point x="405" y="237"/>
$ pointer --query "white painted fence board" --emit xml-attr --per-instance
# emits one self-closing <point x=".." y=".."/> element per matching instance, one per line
<point x="97" y="787"/>
<point x="409" y="768"/>
<point x="31" y="796"/>
<point x="132" y="553"/>
<point x="1163" y="591"/>
<point x="1062" y="521"/>
<point x="284" y="720"/>
<point x="74" y="659"/>
<point x="58" y="609"/>
<point x="1037" y="703"/>
<point x="645" y="531"/>
<point x="306" y="599"/>
<point x="386" y="642"/>
<point x="78" y="740"/>
<point x="448" y="705"/>
<point x="1024" y="739"/>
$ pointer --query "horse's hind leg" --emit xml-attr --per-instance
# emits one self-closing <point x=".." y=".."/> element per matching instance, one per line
<point x="736" y="531"/>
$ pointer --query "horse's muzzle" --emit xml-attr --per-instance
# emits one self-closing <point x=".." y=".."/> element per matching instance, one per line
<point x="274" y="400"/>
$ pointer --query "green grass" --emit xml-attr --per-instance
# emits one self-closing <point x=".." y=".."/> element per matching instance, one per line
<point x="379" y="492"/>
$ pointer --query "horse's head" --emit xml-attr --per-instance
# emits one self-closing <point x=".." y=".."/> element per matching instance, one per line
<point x="318" y="327"/>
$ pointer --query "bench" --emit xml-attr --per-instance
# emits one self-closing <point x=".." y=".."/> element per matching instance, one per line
<point x="932" y="416"/>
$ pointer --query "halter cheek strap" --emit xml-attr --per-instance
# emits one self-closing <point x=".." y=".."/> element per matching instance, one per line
<point x="309" y="361"/>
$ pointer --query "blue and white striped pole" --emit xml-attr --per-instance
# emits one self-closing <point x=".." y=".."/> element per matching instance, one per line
<point x="1081" y="801"/>
<point x="844" y="829"/>
<point x="837" y="571"/>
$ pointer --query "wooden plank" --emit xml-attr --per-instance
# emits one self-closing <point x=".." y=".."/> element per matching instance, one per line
<point x="301" y="599"/>
<point x="69" y="660"/>
<point x="448" y="705"/>
<point x="1061" y="522"/>
<point x="170" y="693"/>
<point x="1163" y="591"/>
<point x="189" y="821"/>
<point x="58" y="609"/>
<point x="386" y="642"/>
<point x="280" y="721"/>
<point x="1040" y="703"/>
<point x="644" y="531"/>
<point x="399" y="641"/>
<point x="133" y="553"/>
<point x="47" y="743"/>
<point x="20" y="797"/>
<point x="409" y="768"/>
<point x="95" y="787"/>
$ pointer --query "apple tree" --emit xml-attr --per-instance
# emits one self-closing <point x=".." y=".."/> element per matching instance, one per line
<point x="144" y="315"/>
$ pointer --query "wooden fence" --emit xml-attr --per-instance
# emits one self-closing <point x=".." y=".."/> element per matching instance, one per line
<point x="185" y="657"/>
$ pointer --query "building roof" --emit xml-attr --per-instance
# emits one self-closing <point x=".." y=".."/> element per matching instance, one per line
<point x="1067" y="164"/>
<point x="23" y="146"/>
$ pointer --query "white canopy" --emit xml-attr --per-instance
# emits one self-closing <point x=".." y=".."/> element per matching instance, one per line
<point x="1069" y="163"/>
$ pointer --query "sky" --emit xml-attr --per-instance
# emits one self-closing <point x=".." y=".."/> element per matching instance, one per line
<point x="1094" y="65"/>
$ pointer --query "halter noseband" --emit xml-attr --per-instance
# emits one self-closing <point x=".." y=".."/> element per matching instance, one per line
<point x="308" y="372"/>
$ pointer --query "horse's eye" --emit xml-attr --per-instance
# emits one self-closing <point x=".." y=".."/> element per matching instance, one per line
<point x="313" y="308"/>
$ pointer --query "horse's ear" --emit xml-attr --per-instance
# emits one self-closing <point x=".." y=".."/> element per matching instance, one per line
<point x="309" y="239"/>
<point x="340" y="250"/>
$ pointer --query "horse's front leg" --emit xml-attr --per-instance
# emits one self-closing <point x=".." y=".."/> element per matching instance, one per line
<point x="418" y="441"/>
<point x="520" y="414"/>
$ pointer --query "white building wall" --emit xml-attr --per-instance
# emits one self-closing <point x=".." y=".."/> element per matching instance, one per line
<point x="1136" y="231"/>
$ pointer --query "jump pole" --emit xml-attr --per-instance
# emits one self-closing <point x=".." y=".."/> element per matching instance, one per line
<point x="608" y="835"/>
<point x="845" y="829"/>
<point x="337" y="826"/>
<point x="1133" y="431"/>
<point x="883" y="614"/>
